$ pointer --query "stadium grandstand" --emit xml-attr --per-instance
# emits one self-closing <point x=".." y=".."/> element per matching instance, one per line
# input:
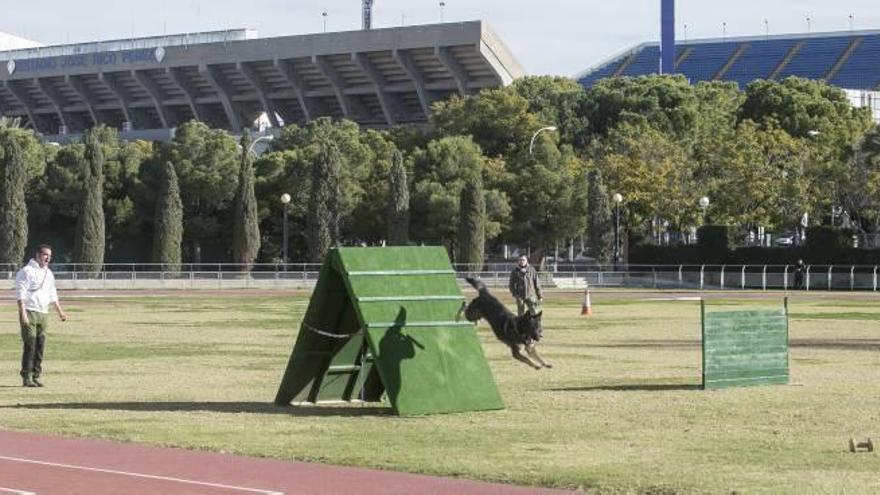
<point x="145" y="87"/>
<point x="849" y="60"/>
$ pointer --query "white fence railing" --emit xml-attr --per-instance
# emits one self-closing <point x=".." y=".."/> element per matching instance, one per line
<point x="731" y="277"/>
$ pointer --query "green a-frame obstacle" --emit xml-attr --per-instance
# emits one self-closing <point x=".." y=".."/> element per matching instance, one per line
<point x="386" y="321"/>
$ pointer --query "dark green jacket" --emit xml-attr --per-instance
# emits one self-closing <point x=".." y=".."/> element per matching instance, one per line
<point x="525" y="284"/>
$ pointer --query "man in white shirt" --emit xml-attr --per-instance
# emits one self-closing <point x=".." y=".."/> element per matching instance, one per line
<point x="35" y="291"/>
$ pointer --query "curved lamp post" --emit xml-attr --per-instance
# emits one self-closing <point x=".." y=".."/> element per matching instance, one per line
<point x="618" y="198"/>
<point x="285" y="200"/>
<point x="535" y="135"/>
<point x="267" y="137"/>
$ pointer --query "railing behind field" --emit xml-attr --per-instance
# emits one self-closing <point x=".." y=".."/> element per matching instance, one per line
<point x="561" y="276"/>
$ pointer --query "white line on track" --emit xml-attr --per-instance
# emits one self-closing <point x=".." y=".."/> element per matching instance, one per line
<point x="15" y="492"/>
<point x="138" y="475"/>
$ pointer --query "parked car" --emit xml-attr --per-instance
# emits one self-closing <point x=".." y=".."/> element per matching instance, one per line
<point x="579" y="257"/>
<point x="785" y="240"/>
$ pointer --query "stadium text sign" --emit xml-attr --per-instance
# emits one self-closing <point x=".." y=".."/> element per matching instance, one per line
<point x="100" y="59"/>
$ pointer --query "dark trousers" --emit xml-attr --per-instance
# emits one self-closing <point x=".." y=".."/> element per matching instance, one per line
<point x="33" y="338"/>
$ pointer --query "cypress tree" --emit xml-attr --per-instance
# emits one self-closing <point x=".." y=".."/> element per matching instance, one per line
<point x="600" y="222"/>
<point x="13" y="209"/>
<point x="168" y="226"/>
<point x="472" y="223"/>
<point x="89" y="242"/>
<point x="246" y="228"/>
<point x="397" y="215"/>
<point x="323" y="216"/>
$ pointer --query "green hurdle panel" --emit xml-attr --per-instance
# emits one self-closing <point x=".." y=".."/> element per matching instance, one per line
<point x="387" y="321"/>
<point x="744" y="348"/>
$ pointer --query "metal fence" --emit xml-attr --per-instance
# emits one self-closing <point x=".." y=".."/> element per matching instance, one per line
<point x="562" y="276"/>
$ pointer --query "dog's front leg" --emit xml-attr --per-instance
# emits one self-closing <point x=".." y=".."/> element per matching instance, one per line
<point x="519" y="357"/>
<point x="532" y="350"/>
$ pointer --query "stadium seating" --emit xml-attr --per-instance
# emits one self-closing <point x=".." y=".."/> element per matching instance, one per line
<point x="851" y="59"/>
<point x="758" y="61"/>
<point x="862" y="70"/>
<point x="705" y="60"/>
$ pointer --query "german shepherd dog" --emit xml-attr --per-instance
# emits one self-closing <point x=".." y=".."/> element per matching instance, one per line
<point x="515" y="331"/>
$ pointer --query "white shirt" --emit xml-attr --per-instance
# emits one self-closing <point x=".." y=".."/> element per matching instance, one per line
<point x="36" y="287"/>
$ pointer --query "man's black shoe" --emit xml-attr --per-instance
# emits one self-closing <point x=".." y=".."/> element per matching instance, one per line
<point x="27" y="382"/>
<point x="37" y="382"/>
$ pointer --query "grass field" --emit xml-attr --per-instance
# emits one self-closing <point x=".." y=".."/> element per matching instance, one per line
<point x="621" y="412"/>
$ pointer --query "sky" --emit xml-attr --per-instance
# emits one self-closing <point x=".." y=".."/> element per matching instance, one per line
<point x="560" y="37"/>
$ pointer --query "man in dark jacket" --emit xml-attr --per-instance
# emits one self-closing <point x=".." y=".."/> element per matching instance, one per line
<point x="525" y="287"/>
<point x="799" y="270"/>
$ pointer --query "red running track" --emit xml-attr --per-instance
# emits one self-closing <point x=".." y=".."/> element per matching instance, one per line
<point x="46" y="465"/>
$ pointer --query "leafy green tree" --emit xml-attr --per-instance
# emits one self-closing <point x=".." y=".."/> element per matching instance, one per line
<point x="600" y="226"/>
<point x="472" y="224"/>
<point x="651" y="170"/>
<point x="168" y="222"/>
<point x="323" y="217"/>
<point x="128" y="233"/>
<point x="440" y="172"/>
<point x="366" y="163"/>
<point x="548" y="196"/>
<point x="556" y="100"/>
<point x="398" y="202"/>
<point x="666" y="103"/>
<point x="863" y="190"/>
<point x="820" y="115"/>
<point x="498" y="120"/>
<point x="246" y="228"/>
<point x="90" y="241"/>
<point x="366" y="221"/>
<point x="803" y="107"/>
<point x="13" y="208"/>
<point x="714" y="129"/>
<point x="56" y="199"/>
<point x="761" y="178"/>
<point x="206" y="163"/>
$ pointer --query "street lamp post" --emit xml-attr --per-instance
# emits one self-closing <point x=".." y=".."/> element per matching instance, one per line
<point x="285" y="200"/>
<point x="618" y="198"/>
<point x="535" y="136"/>
<point x="704" y="204"/>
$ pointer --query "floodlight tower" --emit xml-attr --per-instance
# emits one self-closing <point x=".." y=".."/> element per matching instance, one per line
<point x="367" y="12"/>
<point x="667" y="36"/>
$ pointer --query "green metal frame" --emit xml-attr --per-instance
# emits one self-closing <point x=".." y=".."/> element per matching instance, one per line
<point x="386" y="321"/>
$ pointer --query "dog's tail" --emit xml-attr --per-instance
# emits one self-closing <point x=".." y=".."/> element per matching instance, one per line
<point x="477" y="283"/>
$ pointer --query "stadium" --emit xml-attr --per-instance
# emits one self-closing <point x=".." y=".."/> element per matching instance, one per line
<point x="844" y="59"/>
<point x="145" y="87"/>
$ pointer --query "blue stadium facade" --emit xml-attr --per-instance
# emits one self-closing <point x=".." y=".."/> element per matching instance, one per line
<point x="850" y="60"/>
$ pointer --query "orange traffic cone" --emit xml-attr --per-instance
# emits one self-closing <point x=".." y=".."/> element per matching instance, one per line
<point x="587" y="306"/>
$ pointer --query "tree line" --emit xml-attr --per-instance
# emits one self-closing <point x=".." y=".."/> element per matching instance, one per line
<point x="469" y="180"/>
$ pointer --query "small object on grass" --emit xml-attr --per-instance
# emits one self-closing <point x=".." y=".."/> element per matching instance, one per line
<point x="866" y="446"/>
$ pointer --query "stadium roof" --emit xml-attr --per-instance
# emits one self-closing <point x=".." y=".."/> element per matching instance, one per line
<point x="849" y="59"/>
<point x="10" y="42"/>
<point x="378" y="77"/>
